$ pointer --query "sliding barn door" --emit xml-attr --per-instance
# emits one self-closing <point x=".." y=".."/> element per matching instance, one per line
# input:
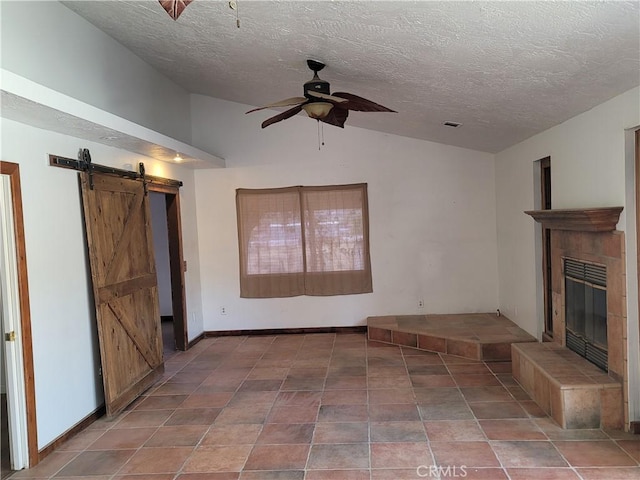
<point x="118" y="225"/>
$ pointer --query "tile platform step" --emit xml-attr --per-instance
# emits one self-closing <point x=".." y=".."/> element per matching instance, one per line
<point x="477" y="336"/>
<point x="570" y="389"/>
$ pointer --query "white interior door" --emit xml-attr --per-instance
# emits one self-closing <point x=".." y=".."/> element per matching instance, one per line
<point x="10" y="317"/>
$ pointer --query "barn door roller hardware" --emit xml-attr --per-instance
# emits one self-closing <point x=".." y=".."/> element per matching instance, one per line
<point x="84" y="164"/>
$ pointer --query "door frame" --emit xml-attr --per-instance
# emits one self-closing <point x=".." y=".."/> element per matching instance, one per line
<point x="12" y="170"/>
<point x="177" y="265"/>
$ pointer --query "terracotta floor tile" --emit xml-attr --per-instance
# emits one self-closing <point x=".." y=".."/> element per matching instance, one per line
<point x="394" y="413"/>
<point x="80" y="441"/>
<point x="389" y="382"/>
<point x="496" y="410"/>
<point x="352" y="432"/>
<point x="176" y="389"/>
<point x="260" y="385"/>
<point x="301" y="398"/>
<point x="400" y="455"/>
<point x="395" y="395"/>
<point x="469" y="380"/>
<point x="210" y="458"/>
<point x="427" y="370"/>
<point x="337" y="475"/>
<point x="309" y="383"/>
<point x="150" y="476"/>
<point x="397" y="432"/>
<point x="277" y="457"/>
<point x="611" y="473"/>
<point x="528" y="454"/>
<point x="49" y="466"/>
<point x="346" y="382"/>
<point x="160" y="402"/>
<point x="177" y="436"/>
<point x="273" y="475"/>
<point x="515" y="429"/>
<point x="286" y="433"/>
<point x="208" y="476"/>
<point x="142" y="418"/>
<point x="251" y="399"/>
<point x="157" y="460"/>
<point x="486" y="394"/>
<point x="334" y="407"/>
<point x="96" y="463"/>
<point x="432" y="381"/>
<point x="448" y="411"/>
<point x="241" y="434"/>
<point x="543" y="474"/>
<point x="293" y="414"/>
<point x="632" y="447"/>
<point x="343" y="413"/>
<point x="120" y="439"/>
<point x="478" y="473"/>
<point x="453" y="431"/>
<point x="234" y="415"/>
<point x="594" y="454"/>
<point x="468" y="454"/>
<point x="338" y="456"/>
<point x="193" y="416"/>
<point x="437" y="396"/>
<point x="208" y="400"/>
<point x="344" y="397"/>
<point x="402" y="473"/>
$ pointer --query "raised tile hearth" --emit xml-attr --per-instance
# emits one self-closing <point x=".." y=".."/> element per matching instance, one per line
<point x="477" y="336"/>
<point x="570" y="389"/>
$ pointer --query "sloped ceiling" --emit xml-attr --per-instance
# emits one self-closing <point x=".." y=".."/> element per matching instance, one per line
<point x="504" y="70"/>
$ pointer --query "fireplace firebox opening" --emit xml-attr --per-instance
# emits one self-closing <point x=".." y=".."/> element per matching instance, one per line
<point x="586" y="310"/>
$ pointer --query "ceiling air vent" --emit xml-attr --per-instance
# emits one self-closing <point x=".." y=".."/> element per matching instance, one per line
<point x="452" y="124"/>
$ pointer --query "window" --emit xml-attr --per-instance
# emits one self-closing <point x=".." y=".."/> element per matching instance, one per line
<point x="303" y="241"/>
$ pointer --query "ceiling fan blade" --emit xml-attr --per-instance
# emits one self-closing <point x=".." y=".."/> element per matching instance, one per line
<point x="337" y="116"/>
<point x="174" y="7"/>
<point x="282" y="103"/>
<point x="361" y="104"/>
<point x="282" y="116"/>
<point x="326" y="97"/>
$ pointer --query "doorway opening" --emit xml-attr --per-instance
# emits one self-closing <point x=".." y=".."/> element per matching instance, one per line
<point x="170" y="266"/>
<point x="19" y="429"/>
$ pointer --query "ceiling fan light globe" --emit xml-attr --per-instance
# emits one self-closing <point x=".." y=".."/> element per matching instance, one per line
<point x="317" y="110"/>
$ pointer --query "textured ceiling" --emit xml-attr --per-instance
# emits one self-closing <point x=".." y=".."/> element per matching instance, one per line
<point x="505" y="70"/>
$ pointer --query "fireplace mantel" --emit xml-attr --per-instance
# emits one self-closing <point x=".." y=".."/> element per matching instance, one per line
<point x="578" y="219"/>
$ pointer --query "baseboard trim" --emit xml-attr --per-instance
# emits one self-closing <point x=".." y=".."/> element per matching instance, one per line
<point x="284" y="331"/>
<point x="195" y="341"/>
<point x="77" y="428"/>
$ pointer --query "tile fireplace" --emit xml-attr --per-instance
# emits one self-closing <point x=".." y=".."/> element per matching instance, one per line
<point x="589" y="288"/>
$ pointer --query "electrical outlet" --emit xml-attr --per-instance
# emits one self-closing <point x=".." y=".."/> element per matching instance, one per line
<point x="223" y="310"/>
<point x="420" y="303"/>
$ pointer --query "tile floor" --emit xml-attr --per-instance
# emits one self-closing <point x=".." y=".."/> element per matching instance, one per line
<point x="335" y="406"/>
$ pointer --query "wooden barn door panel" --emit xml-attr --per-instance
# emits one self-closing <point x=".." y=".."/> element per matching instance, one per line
<point x="118" y="225"/>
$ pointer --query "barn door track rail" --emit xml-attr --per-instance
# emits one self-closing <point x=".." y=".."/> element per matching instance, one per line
<point x="84" y="164"/>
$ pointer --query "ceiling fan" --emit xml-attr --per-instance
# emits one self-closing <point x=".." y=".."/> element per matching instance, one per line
<point x="320" y="104"/>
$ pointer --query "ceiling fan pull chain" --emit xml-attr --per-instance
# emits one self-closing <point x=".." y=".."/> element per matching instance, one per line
<point x="233" y="5"/>
<point x="322" y="126"/>
<point x="318" y="121"/>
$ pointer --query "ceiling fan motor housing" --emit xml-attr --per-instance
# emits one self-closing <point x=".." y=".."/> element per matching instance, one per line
<point x="316" y="85"/>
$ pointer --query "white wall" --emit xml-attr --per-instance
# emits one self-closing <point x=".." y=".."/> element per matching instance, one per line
<point x="432" y="217"/>
<point x="66" y="355"/>
<point x="46" y="42"/>
<point x="587" y="170"/>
